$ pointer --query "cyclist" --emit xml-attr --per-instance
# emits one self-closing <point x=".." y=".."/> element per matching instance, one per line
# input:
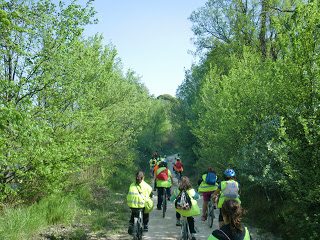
<point x="227" y="189"/>
<point x="156" y="167"/>
<point x="231" y="212"/>
<point x="135" y="200"/>
<point x="152" y="163"/>
<point x="155" y="155"/>
<point x="173" y="164"/>
<point x="178" y="167"/>
<point x="207" y="184"/>
<point x="165" y="159"/>
<point x="185" y="185"/>
<point x="163" y="182"/>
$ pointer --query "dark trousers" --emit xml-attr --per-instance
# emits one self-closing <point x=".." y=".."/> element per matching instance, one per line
<point x="135" y="213"/>
<point x="160" y="195"/>
<point x="190" y="222"/>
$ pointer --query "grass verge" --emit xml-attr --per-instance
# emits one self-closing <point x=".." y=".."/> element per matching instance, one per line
<point x="88" y="211"/>
<point x="22" y="222"/>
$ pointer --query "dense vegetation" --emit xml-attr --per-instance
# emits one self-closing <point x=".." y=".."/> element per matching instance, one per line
<point x="252" y="103"/>
<point x="69" y="115"/>
<point x="72" y="121"/>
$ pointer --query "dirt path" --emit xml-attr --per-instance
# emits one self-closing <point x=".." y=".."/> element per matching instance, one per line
<point x="159" y="227"/>
<point x="165" y="228"/>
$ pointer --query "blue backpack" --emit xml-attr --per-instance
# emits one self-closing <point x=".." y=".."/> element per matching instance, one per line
<point x="211" y="178"/>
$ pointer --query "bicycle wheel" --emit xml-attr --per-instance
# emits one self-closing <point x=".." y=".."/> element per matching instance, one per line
<point x="210" y="214"/>
<point x="135" y="231"/>
<point x="184" y="230"/>
<point x="164" y="203"/>
<point x="140" y="230"/>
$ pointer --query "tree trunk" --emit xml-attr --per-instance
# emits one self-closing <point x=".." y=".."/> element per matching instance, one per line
<point x="262" y="34"/>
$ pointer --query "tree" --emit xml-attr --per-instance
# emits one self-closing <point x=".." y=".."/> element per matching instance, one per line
<point x="68" y="106"/>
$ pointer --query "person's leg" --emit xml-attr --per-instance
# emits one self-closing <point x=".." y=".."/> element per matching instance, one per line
<point x="145" y="217"/>
<point x="145" y="221"/>
<point x="160" y="193"/>
<point x="178" y="217"/>
<point x="191" y="224"/>
<point x="155" y="185"/>
<point x="204" y="210"/>
<point x="206" y="199"/>
<point x="131" y="221"/>
<point x="131" y="218"/>
<point x="168" y="193"/>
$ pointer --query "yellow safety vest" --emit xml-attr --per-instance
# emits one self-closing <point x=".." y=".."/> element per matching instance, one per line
<point x="195" y="210"/>
<point x="152" y="162"/>
<point x="222" y="194"/>
<point x="204" y="187"/>
<point x="164" y="183"/>
<point x="134" y="198"/>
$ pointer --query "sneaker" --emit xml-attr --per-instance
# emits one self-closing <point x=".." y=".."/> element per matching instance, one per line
<point x="203" y="218"/>
<point x="130" y="229"/>
<point x="159" y="208"/>
<point x="145" y="228"/>
<point x="193" y="236"/>
<point x="178" y="223"/>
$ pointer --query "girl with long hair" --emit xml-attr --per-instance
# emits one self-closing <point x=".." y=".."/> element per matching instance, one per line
<point x="185" y="185"/>
<point x="232" y="228"/>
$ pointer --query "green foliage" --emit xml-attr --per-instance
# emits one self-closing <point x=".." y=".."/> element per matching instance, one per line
<point x="225" y="21"/>
<point x="105" y="209"/>
<point x="60" y="209"/>
<point x="254" y="108"/>
<point x="24" y="222"/>
<point x="157" y="130"/>
<point x="70" y="113"/>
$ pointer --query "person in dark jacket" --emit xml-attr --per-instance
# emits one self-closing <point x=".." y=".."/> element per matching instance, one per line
<point x="233" y="229"/>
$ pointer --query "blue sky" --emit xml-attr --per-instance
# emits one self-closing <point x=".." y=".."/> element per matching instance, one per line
<point x="152" y="38"/>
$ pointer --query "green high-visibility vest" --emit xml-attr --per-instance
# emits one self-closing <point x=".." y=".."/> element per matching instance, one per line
<point x="164" y="183"/>
<point x="134" y="198"/>
<point x="204" y="187"/>
<point x="222" y="193"/>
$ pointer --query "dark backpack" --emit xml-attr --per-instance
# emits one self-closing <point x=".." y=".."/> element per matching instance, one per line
<point x="183" y="201"/>
<point x="211" y="178"/>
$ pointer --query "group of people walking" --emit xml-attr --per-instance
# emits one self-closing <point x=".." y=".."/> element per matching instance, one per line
<point x="226" y="195"/>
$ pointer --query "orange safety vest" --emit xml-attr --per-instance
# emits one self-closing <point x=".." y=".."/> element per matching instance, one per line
<point x="156" y="167"/>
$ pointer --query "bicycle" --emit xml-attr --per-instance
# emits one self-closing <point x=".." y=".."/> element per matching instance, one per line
<point x="210" y="212"/>
<point x="185" y="231"/>
<point x="151" y="171"/>
<point x="164" y="202"/>
<point x="137" y="225"/>
<point x="179" y="175"/>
